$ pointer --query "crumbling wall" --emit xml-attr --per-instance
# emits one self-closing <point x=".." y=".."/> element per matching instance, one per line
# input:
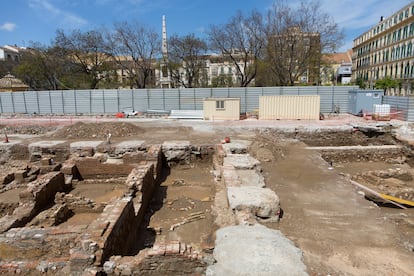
<point x="115" y="230"/>
<point x="38" y="195"/>
<point x="391" y="155"/>
<point x="31" y="251"/>
<point x="177" y="152"/>
<point x="173" y="258"/>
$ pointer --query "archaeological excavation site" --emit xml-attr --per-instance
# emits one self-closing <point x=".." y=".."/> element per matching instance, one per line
<point x="171" y="197"/>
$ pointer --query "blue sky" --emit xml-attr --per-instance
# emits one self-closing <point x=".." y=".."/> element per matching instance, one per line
<point x="23" y="21"/>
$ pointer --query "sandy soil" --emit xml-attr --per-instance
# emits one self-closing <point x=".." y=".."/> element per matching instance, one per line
<point x="339" y="231"/>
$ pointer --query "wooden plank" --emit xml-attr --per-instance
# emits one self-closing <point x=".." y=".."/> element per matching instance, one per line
<point x="376" y="194"/>
<point x="399" y="200"/>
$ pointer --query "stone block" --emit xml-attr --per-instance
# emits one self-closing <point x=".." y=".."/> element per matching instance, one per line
<point x="261" y="202"/>
<point x="20" y="175"/>
<point x="7" y="179"/>
<point x="177" y="152"/>
<point x="263" y="251"/>
<point x="241" y="161"/>
<point x="236" y="147"/>
<point x="128" y="146"/>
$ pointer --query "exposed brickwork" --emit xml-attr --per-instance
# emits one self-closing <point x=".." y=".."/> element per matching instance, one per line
<point x="83" y="249"/>
<point x="174" y="258"/>
<point x="38" y="195"/>
<point x="112" y="233"/>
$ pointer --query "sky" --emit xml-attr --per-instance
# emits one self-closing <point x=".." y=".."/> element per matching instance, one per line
<point x="23" y="22"/>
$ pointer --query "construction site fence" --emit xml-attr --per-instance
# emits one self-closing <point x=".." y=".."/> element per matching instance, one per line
<point x="401" y="107"/>
<point x="112" y="101"/>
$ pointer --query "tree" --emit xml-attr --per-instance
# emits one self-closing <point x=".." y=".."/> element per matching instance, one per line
<point x="7" y="66"/>
<point x="242" y="40"/>
<point x="43" y="67"/>
<point x="187" y="60"/>
<point x="296" y="37"/>
<point x="134" y="48"/>
<point x="88" y="55"/>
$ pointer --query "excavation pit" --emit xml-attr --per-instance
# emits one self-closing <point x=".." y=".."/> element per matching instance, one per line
<point x="173" y="196"/>
<point x="182" y="206"/>
<point x="107" y="198"/>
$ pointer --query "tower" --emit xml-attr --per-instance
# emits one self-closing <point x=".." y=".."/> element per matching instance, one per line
<point x="164" y="39"/>
<point x="165" y="77"/>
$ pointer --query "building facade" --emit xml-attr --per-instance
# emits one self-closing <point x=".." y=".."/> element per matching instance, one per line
<point x="386" y="51"/>
<point x="336" y="68"/>
<point x="9" y="53"/>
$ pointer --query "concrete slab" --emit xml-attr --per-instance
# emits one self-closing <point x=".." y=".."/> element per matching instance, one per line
<point x="128" y="146"/>
<point x="241" y="161"/>
<point x="80" y="145"/>
<point x="261" y="202"/>
<point x="230" y="177"/>
<point x="251" y="178"/>
<point x="263" y="251"/>
<point x="175" y="145"/>
<point x="37" y="146"/>
<point x="236" y="147"/>
<point x="242" y="178"/>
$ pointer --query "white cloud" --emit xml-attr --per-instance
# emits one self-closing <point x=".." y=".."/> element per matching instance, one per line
<point x="355" y="14"/>
<point x="8" y="26"/>
<point x="67" y="19"/>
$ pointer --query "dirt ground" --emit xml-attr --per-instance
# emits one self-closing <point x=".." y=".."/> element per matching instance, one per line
<point x="338" y="230"/>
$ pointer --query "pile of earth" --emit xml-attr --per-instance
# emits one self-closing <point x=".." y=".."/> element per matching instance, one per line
<point x="26" y="129"/>
<point x="97" y="130"/>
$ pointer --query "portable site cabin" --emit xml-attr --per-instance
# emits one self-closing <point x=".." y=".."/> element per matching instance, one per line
<point x="286" y="107"/>
<point x="362" y="101"/>
<point x="221" y="108"/>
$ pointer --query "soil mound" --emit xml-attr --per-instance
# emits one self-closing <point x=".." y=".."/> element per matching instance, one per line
<point x="30" y="129"/>
<point x="97" y="130"/>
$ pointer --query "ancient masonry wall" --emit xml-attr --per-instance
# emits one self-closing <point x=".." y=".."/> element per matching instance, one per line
<point x="106" y="242"/>
<point x="38" y="195"/>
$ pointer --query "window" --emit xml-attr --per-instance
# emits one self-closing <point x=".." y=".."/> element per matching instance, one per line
<point x="219" y="104"/>
<point x="405" y="32"/>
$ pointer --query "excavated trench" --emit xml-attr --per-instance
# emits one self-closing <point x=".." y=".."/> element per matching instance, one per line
<point x="370" y="156"/>
<point x="150" y="208"/>
<point x="99" y="204"/>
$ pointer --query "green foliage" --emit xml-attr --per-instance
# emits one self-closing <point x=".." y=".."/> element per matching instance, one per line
<point x="361" y="83"/>
<point x="386" y="83"/>
<point x="261" y="49"/>
<point x="222" y="81"/>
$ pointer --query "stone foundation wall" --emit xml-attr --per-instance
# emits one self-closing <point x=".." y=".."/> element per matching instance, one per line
<point x="116" y="228"/>
<point x="173" y="258"/>
<point x="38" y="195"/>
<point x="397" y="154"/>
